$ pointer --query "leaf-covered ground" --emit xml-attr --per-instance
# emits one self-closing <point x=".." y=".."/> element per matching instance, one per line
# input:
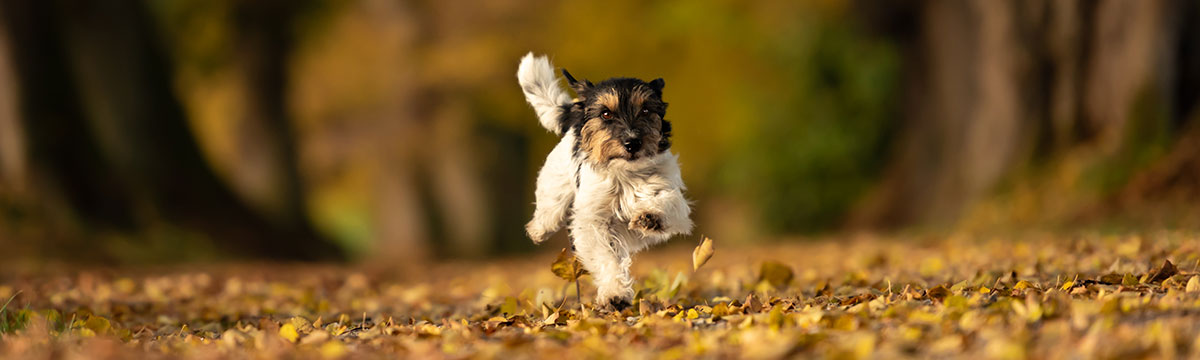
<point x="1027" y="296"/>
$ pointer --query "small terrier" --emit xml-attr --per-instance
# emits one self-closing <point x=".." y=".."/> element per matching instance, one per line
<point x="611" y="172"/>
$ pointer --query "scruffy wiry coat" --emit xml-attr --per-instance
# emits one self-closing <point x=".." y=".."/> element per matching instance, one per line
<point x="611" y="173"/>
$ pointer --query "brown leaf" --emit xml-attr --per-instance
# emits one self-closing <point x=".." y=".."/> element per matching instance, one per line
<point x="938" y="292"/>
<point x="1111" y="279"/>
<point x="860" y="298"/>
<point x="567" y="266"/>
<point x="702" y="253"/>
<point x="1166" y="271"/>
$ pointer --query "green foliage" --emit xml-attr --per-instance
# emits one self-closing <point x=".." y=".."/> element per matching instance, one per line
<point x="1147" y="137"/>
<point x="824" y="136"/>
<point x="12" y="321"/>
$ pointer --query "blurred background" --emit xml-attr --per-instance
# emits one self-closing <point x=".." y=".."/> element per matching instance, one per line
<point x="149" y="131"/>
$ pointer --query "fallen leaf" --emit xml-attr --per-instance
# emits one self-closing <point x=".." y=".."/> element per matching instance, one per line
<point x="98" y="325"/>
<point x="288" y="331"/>
<point x="1022" y="285"/>
<point x="702" y="253"/>
<point x="1164" y="272"/>
<point x="938" y="292"/>
<point x="1130" y="280"/>
<point x="1111" y="279"/>
<point x="333" y="350"/>
<point x="1193" y="284"/>
<point x="776" y="274"/>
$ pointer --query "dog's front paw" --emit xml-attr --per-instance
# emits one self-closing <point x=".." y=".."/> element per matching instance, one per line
<point x="619" y="303"/>
<point x="614" y="297"/>
<point x="536" y="233"/>
<point x="647" y="222"/>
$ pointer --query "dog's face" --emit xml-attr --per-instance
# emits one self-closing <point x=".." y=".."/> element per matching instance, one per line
<point x="619" y="119"/>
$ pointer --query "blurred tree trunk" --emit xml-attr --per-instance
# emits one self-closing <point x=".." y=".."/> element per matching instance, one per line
<point x="104" y="128"/>
<point x="991" y="85"/>
<point x="268" y="169"/>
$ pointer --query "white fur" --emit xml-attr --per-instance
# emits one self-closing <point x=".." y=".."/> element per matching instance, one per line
<point x="604" y="201"/>
<point x="537" y="79"/>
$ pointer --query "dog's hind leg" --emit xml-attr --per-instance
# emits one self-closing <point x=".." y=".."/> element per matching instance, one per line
<point x="555" y="192"/>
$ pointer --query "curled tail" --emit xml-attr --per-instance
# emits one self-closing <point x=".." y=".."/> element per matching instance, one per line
<point x="542" y="90"/>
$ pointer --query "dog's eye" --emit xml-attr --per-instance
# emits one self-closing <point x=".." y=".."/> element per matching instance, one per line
<point x="606" y="115"/>
<point x="645" y="112"/>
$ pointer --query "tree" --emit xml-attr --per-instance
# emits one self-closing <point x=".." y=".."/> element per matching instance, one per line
<point x="105" y="130"/>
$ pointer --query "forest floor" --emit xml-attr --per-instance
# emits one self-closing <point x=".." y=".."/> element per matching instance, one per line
<point x="1019" y="296"/>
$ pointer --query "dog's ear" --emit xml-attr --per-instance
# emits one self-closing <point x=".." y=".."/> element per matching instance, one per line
<point x="657" y="85"/>
<point x="579" y="87"/>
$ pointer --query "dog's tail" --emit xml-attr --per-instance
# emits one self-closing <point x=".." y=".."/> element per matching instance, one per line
<point x="542" y="90"/>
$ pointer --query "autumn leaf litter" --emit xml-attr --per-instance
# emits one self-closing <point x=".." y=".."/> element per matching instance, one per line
<point x="1033" y="295"/>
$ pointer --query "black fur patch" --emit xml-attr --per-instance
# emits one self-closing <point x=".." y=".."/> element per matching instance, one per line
<point x="664" y="144"/>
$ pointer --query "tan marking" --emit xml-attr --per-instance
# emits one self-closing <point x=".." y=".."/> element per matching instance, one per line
<point x="609" y="99"/>
<point x="640" y="95"/>
<point x="599" y="143"/>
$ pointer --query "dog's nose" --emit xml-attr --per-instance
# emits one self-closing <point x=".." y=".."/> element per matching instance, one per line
<point x="633" y="145"/>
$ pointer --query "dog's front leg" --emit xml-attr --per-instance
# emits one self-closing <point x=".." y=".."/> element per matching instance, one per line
<point x="555" y="191"/>
<point x="658" y="206"/>
<point x="601" y="249"/>
<point x="663" y="213"/>
<point x="605" y="257"/>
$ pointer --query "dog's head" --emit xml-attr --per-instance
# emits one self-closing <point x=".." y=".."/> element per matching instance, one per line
<point x="618" y="119"/>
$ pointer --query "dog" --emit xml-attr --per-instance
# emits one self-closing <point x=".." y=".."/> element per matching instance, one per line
<point x="612" y="173"/>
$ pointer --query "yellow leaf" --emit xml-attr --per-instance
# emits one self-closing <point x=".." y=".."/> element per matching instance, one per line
<point x="1193" y="284"/>
<point x="1022" y="285"/>
<point x="98" y="325"/>
<point x="1068" y="285"/>
<point x="956" y="302"/>
<point x="776" y="274"/>
<point x="702" y="253"/>
<point x="333" y="349"/>
<point x="509" y="308"/>
<point x="567" y="267"/>
<point x="721" y="309"/>
<point x="775" y="318"/>
<point x="288" y="331"/>
<point x="1129" y="280"/>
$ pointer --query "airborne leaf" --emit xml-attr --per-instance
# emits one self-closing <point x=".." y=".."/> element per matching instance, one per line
<point x="702" y="253"/>
<point x="567" y="266"/>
